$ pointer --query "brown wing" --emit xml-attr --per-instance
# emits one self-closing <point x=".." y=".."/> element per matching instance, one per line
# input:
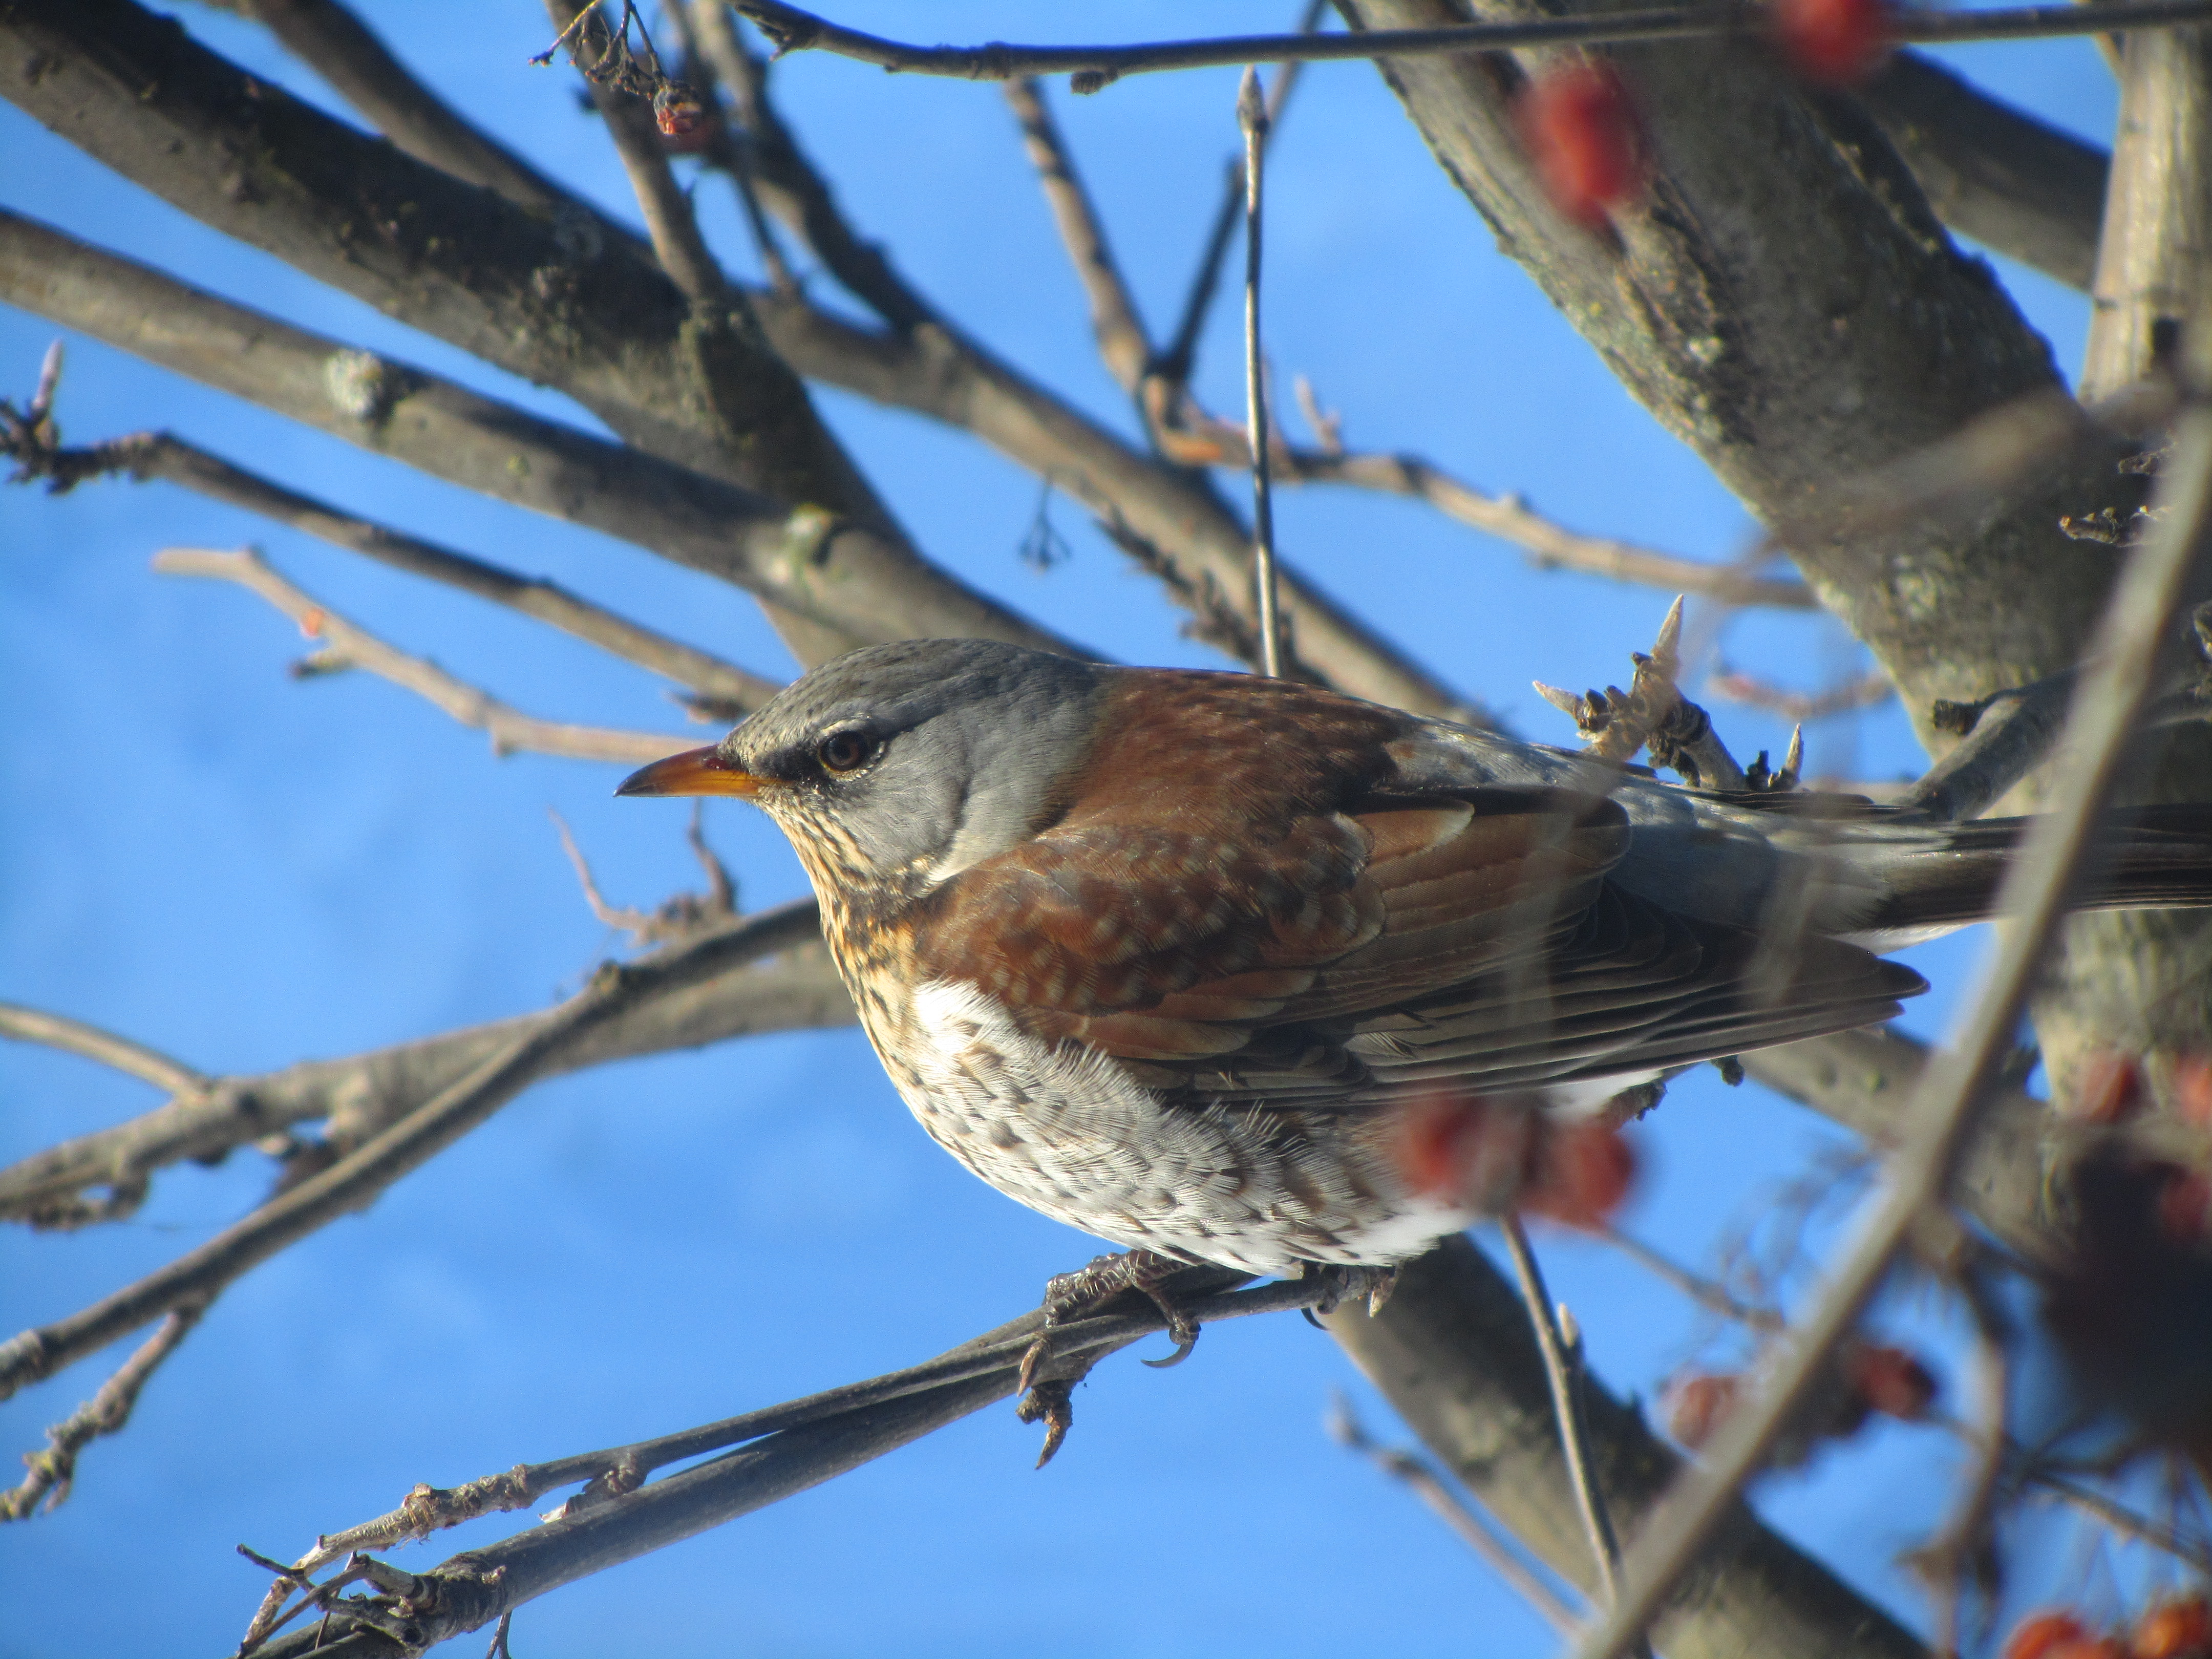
<point x="1179" y="948"/>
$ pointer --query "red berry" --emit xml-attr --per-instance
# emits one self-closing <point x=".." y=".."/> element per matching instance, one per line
<point x="2041" y="1634"/>
<point x="1891" y="1381"/>
<point x="1582" y="1174"/>
<point x="2176" y="1629"/>
<point x="2184" y="1208"/>
<point x="1696" y="1405"/>
<point x="2108" y="1088"/>
<point x="682" y="117"/>
<point x="2193" y="1090"/>
<point x="1579" y="127"/>
<point x="1464" y="1149"/>
<point x="1835" y="42"/>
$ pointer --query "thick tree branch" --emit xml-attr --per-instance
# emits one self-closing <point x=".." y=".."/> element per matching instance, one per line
<point x="796" y="558"/>
<point x="568" y="302"/>
<point x="341" y="645"/>
<point x="1991" y="171"/>
<point x="1453" y="1352"/>
<point x="362" y="70"/>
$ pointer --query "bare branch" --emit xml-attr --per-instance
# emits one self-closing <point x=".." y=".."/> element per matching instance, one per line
<point x="1453" y="1352"/>
<point x="75" y="1036"/>
<point x="1096" y="67"/>
<point x="805" y="1442"/>
<point x="1551" y="545"/>
<point x="1869" y="690"/>
<point x="1431" y="1488"/>
<point x="54" y="1471"/>
<point x="2124" y="660"/>
<point x="805" y="560"/>
<point x="1562" y="1372"/>
<point x="1992" y="172"/>
<point x="362" y="1094"/>
<point x="343" y="645"/>
<point x="362" y="70"/>
<point x="533" y="1052"/>
<point x="1252" y="120"/>
<point x="567" y="300"/>
<point x="1122" y="342"/>
<point x="730" y="690"/>
<point x="1174" y="365"/>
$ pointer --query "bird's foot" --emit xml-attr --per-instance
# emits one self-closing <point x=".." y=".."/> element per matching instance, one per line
<point x="1047" y="1378"/>
<point x="1340" y="1284"/>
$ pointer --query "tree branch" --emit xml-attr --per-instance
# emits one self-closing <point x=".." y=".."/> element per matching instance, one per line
<point x="1122" y="342"/>
<point x="54" y="1471"/>
<point x="362" y="1094"/>
<point x="729" y="690"/>
<point x="1551" y="545"/>
<point x="76" y="1037"/>
<point x="2130" y="640"/>
<point x="362" y="70"/>
<point x="1096" y="67"/>
<point x="804" y="1442"/>
<point x="1453" y="1352"/>
<point x="343" y="645"/>
<point x="805" y="560"/>
<point x="568" y="302"/>
<point x="1992" y="172"/>
<point x="532" y="1052"/>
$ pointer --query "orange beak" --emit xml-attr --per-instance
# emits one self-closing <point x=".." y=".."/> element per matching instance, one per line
<point x="694" y="772"/>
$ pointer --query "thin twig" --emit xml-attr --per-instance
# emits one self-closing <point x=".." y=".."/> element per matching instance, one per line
<point x="711" y="52"/>
<point x="1174" y="366"/>
<point x="76" y="1037"/>
<point x="343" y="645"/>
<point x="1097" y="67"/>
<point x="2123" y="659"/>
<point x="54" y="1471"/>
<point x="1964" y="1549"/>
<point x="1428" y="1484"/>
<point x="1561" y="1370"/>
<point x="2056" y="1488"/>
<point x="1122" y="342"/>
<point x="1869" y="690"/>
<point x="1551" y="545"/>
<point x="200" y="1274"/>
<point x="164" y="456"/>
<point x="1705" y="1292"/>
<point x="1252" y="119"/>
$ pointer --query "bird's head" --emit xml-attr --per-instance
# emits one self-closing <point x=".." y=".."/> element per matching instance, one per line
<point x="902" y="763"/>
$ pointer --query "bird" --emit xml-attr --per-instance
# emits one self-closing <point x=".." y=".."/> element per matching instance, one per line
<point x="1232" y="970"/>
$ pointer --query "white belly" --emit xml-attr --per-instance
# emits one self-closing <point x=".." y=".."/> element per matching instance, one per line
<point x="1066" y="1131"/>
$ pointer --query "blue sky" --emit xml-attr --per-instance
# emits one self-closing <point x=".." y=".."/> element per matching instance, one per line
<point x="245" y="871"/>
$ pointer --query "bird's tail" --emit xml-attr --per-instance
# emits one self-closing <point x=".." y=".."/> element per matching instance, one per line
<point x="2147" y="858"/>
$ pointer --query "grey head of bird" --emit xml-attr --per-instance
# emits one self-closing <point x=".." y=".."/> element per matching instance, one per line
<point x="902" y="764"/>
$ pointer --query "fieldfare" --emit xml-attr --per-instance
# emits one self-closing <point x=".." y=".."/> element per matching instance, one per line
<point x="1231" y="968"/>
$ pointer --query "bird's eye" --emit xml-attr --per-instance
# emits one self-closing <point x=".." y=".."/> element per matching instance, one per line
<point x="846" y="751"/>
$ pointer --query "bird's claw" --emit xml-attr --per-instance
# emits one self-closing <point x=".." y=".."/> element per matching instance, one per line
<point x="1071" y="1297"/>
